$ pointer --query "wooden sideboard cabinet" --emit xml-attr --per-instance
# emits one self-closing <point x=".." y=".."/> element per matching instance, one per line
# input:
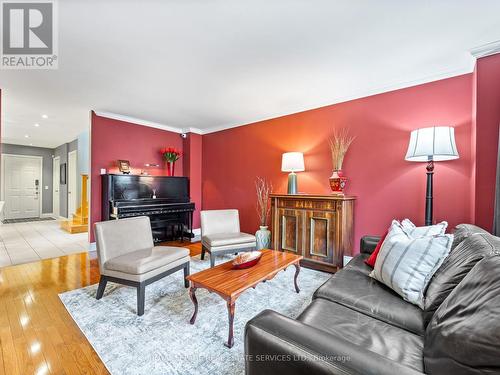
<point x="318" y="227"/>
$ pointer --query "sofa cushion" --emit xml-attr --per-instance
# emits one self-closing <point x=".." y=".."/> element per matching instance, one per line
<point x="356" y="290"/>
<point x="224" y="239"/>
<point x="460" y="261"/>
<point x="463" y="336"/>
<point x="406" y="264"/>
<point x="358" y="263"/>
<point x="371" y="334"/>
<point x="462" y="231"/>
<point x="142" y="261"/>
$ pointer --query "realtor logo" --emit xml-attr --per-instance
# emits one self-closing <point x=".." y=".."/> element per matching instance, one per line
<point x="28" y="35"/>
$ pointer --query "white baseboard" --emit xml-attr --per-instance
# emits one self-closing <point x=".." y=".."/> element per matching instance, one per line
<point x="50" y="214"/>
<point x="197" y="235"/>
<point x="347" y="259"/>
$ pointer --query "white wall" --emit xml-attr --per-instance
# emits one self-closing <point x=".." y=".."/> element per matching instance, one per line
<point x="83" y="159"/>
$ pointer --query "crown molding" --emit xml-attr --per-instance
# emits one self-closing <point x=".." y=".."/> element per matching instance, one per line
<point x="194" y="130"/>
<point x="340" y="99"/>
<point x="150" y="124"/>
<point x="137" y="121"/>
<point x="487" y="49"/>
<point x="359" y="95"/>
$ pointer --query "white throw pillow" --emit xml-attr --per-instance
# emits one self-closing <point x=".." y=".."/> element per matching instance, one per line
<point x="431" y="230"/>
<point x="406" y="264"/>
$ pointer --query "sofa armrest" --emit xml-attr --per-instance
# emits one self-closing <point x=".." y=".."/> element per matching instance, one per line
<point x="368" y="244"/>
<point x="275" y="344"/>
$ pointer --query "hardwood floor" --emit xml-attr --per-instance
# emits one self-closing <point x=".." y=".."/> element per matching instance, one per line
<point x="37" y="334"/>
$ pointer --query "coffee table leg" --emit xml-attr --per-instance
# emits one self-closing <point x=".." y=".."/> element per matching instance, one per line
<point x="230" y="311"/>
<point x="297" y="270"/>
<point x="192" y="289"/>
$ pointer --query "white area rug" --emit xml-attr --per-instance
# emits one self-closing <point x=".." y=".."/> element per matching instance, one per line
<point x="162" y="341"/>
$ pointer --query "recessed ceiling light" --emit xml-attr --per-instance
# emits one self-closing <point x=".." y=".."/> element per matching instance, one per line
<point x="37" y="125"/>
<point x="26" y="136"/>
<point x="45" y="116"/>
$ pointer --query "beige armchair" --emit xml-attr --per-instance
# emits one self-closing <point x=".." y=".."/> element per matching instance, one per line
<point x="127" y="255"/>
<point x="220" y="234"/>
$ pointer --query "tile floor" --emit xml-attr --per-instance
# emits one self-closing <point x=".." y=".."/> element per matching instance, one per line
<point x="29" y="242"/>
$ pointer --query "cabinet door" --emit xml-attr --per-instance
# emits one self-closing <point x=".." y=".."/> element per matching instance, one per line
<point x="290" y="224"/>
<point x="320" y="236"/>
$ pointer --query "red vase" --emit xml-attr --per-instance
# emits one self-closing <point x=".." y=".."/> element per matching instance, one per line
<point x="170" y="168"/>
<point x="338" y="182"/>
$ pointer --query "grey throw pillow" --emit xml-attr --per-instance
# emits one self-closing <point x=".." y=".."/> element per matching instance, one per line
<point x="463" y="336"/>
<point x="456" y="266"/>
<point x="462" y="231"/>
<point x="406" y="264"/>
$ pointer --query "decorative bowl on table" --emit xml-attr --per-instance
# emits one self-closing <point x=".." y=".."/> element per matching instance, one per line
<point x="246" y="260"/>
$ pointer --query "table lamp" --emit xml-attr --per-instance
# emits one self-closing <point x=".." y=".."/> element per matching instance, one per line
<point x="432" y="144"/>
<point x="292" y="162"/>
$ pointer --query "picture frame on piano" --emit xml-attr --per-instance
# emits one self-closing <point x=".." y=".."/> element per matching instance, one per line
<point x="124" y="166"/>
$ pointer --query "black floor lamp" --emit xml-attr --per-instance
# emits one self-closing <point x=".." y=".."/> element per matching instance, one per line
<point x="428" y="145"/>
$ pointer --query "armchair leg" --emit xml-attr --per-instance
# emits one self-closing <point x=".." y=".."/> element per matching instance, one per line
<point x="202" y="252"/>
<point x="141" y="296"/>
<point x="186" y="274"/>
<point x="102" y="285"/>
<point x="212" y="260"/>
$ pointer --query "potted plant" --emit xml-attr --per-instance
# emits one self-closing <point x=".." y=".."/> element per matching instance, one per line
<point x="263" y="235"/>
<point x="339" y="144"/>
<point x="170" y="155"/>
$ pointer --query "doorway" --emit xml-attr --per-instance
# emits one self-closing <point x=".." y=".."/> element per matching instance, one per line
<point x="56" y="180"/>
<point x="21" y="186"/>
<point x="72" y="183"/>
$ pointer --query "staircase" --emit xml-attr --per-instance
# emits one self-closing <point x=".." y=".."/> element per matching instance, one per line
<point x="79" y="222"/>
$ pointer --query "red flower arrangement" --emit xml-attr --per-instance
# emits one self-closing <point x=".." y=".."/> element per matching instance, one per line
<point x="170" y="154"/>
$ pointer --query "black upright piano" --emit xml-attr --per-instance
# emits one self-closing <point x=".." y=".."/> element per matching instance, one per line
<point x="164" y="199"/>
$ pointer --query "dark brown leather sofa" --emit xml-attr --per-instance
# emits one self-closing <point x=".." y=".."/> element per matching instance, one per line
<point x="355" y="325"/>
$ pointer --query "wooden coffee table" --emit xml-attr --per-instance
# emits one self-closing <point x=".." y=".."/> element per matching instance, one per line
<point x="230" y="284"/>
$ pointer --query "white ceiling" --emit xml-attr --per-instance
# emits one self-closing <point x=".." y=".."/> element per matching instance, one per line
<point x="222" y="63"/>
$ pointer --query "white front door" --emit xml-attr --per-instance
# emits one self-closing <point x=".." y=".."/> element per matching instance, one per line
<point x="22" y="186"/>
<point x="56" y="180"/>
<point x="72" y="184"/>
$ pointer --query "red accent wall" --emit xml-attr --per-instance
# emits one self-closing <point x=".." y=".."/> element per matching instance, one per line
<point x="487" y="120"/>
<point x="386" y="185"/>
<point x="112" y="140"/>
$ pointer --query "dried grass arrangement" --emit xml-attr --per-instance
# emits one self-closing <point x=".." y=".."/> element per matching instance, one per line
<point x="263" y="189"/>
<point x="339" y="144"/>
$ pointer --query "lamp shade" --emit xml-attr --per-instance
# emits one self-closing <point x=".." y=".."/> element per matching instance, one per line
<point x="436" y="143"/>
<point x="292" y="162"/>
